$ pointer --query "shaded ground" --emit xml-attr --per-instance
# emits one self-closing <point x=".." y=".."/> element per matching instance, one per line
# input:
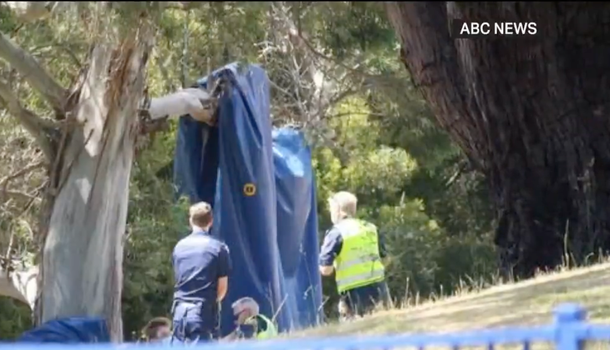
<point x="525" y="303"/>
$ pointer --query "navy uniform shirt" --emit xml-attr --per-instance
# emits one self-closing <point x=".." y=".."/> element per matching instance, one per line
<point x="199" y="261"/>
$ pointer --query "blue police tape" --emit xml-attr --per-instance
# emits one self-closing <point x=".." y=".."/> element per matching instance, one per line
<point x="568" y="332"/>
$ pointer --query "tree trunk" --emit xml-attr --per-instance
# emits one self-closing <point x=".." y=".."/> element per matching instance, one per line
<point x="81" y="271"/>
<point x="530" y="113"/>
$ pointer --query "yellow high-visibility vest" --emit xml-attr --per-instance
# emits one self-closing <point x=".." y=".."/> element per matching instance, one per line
<point x="358" y="264"/>
<point x="269" y="332"/>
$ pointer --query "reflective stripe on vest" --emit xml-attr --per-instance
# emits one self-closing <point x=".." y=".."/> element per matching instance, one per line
<point x="270" y="331"/>
<point x="358" y="263"/>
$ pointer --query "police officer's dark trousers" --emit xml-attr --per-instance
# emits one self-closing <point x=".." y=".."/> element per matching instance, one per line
<point x="363" y="300"/>
<point x="191" y="322"/>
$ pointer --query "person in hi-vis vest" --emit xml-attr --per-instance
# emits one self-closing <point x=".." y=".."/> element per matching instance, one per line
<point x="353" y="249"/>
<point x="250" y="322"/>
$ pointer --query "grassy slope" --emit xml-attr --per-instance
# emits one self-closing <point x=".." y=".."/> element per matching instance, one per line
<point x="524" y="303"/>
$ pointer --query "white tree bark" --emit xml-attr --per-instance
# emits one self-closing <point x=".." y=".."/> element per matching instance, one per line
<point x="81" y="270"/>
<point x="20" y="285"/>
<point x="94" y="194"/>
<point x="83" y="252"/>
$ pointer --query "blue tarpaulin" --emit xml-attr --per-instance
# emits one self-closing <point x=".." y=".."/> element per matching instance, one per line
<point x="262" y="189"/>
<point x="297" y="225"/>
<point x="69" y="330"/>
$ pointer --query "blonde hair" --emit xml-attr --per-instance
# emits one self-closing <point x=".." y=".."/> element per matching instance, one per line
<point x="345" y="201"/>
<point x="200" y="214"/>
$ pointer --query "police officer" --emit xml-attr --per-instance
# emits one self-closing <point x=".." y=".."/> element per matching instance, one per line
<point x="250" y="322"/>
<point x="353" y="249"/>
<point x="201" y="269"/>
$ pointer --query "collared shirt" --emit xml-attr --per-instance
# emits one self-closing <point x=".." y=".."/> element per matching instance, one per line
<point x="199" y="260"/>
<point x="333" y="242"/>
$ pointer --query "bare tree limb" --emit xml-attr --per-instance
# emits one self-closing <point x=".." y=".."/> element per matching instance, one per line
<point x="169" y="86"/>
<point x="30" y="121"/>
<point x="17" y="194"/>
<point x="19" y="285"/>
<point x="5" y="192"/>
<point x="63" y="46"/>
<point x="30" y="11"/>
<point x="310" y="85"/>
<point x="22" y="172"/>
<point x="33" y="73"/>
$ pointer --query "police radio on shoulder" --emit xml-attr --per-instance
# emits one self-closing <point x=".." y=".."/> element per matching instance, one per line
<point x="498" y="28"/>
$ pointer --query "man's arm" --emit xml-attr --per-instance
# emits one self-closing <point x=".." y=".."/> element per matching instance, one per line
<point x="331" y="247"/>
<point x="224" y="269"/>
<point x="383" y="252"/>
<point x="223" y="287"/>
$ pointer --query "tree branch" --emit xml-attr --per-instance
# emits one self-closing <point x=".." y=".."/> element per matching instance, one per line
<point x="30" y="11"/>
<point x="33" y="73"/>
<point x="17" y="194"/>
<point x="19" y="285"/>
<point x="4" y="182"/>
<point x="433" y="62"/>
<point x="169" y="86"/>
<point x="30" y="121"/>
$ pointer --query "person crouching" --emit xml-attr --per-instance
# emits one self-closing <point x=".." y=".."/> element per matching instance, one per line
<point x="250" y="323"/>
<point x="156" y="330"/>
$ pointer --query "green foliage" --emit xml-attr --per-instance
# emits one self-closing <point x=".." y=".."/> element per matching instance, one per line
<point x="424" y="258"/>
<point x="15" y="318"/>
<point x="345" y="26"/>
<point x="378" y="140"/>
<point x="155" y="224"/>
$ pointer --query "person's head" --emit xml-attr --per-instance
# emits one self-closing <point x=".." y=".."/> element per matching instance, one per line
<point x="157" y="329"/>
<point x="342" y="205"/>
<point x="245" y="308"/>
<point x="200" y="215"/>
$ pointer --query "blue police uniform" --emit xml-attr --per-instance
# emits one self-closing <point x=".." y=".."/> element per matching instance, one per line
<point x="360" y="300"/>
<point x="199" y="261"/>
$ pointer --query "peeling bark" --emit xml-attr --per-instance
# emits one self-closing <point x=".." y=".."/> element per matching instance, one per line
<point x="531" y="113"/>
<point x="80" y="268"/>
<point x="83" y="252"/>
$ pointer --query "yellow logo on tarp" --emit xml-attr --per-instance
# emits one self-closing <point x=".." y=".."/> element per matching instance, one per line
<point x="249" y="189"/>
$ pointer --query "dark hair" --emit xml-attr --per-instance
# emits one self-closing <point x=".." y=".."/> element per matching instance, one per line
<point x="151" y="328"/>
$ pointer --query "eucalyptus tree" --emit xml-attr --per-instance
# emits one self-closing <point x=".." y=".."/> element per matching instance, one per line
<point x="86" y="131"/>
<point x="529" y="113"/>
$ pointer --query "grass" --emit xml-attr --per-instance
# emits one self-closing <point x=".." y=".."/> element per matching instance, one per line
<point x="525" y="303"/>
